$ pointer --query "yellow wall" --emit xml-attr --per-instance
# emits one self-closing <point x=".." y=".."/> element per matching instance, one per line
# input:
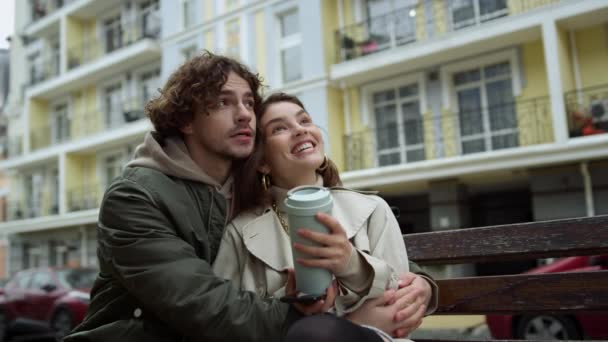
<point x="78" y="32"/>
<point x="80" y="174"/>
<point x="209" y="9"/>
<point x="449" y="128"/>
<point x="592" y="50"/>
<point x="440" y="17"/>
<point x="40" y="134"/>
<point x="533" y="105"/>
<point x="421" y="18"/>
<point x="209" y="40"/>
<point x="86" y="117"/>
<point x="429" y="135"/>
<point x="349" y="12"/>
<point x="335" y="125"/>
<point x="330" y="23"/>
<point x="519" y="6"/>
<point x="260" y="45"/>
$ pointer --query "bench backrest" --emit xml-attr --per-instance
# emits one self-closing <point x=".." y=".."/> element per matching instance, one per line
<point x="522" y="293"/>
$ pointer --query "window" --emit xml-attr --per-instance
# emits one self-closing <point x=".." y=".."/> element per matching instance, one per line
<point x="54" y="60"/>
<point x="473" y="12"/>
<point x="33" y="194"/>
<point x="148" y="84"/>
<point x="486" y="109"/>
<point x="112" y="34"/>
<point x="399" y="126"/>
<point x="35" y="68"/>
<point x="41" y="279"/>
<point x="390" y="23"/>
<point x="113" y="106"/>
<point x="187" y="12"/>
<point x="149" y="19"/>
<point x="54" y="192"/>
<point x="60" y="123"/>
<point x="233" y="38"/>
<point x="290" y="46"/>
<point x="232" y="4"/>
<point x="112" y="168"/>
<point x="188" y="53"/>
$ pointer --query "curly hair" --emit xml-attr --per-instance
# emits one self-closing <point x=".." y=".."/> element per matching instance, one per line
<point x="195" y="86"/>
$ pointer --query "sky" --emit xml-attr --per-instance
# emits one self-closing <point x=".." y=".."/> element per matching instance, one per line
<point x="7" y="8"/>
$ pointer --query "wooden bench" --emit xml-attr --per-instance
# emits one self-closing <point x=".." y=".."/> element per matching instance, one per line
<point x="556" y="293"/>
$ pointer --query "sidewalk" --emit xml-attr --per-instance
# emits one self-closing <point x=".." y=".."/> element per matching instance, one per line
<point x="471" y="327"/>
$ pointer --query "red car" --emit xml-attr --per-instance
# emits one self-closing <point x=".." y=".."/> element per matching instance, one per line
<point x="55" y="297"/>
<point x="575" y="326"/>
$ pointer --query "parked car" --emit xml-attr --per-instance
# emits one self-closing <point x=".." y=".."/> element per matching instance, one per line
<point x="574" y="326"/>
<point x="53" y="297"/>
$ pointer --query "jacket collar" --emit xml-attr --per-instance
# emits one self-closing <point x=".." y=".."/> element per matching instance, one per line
<point x="265" y="238"/>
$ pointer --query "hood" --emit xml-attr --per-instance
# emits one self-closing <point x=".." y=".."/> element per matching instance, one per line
<point x="170" y="156"/>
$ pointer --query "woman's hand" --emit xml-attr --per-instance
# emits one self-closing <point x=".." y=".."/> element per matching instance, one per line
<point x="415" y="293"/>
<point x="335" y="251"/>
<point x="319" y="306"/>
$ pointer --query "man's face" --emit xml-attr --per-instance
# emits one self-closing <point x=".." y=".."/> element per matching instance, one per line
<point x="227" y="132"/>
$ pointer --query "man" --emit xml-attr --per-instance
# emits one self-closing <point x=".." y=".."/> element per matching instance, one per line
<point x="161" y="222"/>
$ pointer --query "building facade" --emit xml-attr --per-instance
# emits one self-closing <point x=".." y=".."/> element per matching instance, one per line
<point x="462" y="113"/>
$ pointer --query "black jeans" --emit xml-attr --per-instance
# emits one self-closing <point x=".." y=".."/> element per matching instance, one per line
<point x="329" y="328"/>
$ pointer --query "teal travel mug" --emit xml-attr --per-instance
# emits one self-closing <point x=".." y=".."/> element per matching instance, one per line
<point x="301" y="205"/>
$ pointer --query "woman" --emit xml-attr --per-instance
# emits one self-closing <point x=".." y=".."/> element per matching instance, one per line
<point x="364" y="250"/>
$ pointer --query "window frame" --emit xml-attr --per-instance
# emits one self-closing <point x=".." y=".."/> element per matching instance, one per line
<point x="368" y="112"/>
<point x="287" y="42"/>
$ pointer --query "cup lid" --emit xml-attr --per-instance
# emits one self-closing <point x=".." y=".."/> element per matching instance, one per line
<point x="308" y="196"/>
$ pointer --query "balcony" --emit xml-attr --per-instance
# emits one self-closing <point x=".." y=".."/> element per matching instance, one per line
<point x="84" y="197"/>
<point x="418" y="23"/>
<point x="45" y="68"/>
<point x="86" y="123"/>
<point x="588" y="111"/>
<point x="12" y="146"/>
<point x="33" y="208"/>
<point x="476" y="130"/>
<point x="114" y="38"/>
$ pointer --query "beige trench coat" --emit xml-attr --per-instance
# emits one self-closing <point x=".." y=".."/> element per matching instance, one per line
<point x="255" y="252"/>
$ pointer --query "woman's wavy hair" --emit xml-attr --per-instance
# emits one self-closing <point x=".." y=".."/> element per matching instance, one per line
<point x="195" y="86"/>
<point x="249" y="192"/>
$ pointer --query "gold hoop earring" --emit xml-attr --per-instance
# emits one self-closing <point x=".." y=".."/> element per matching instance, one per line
<point x="324" y="165"/>
<point x="265" y="181"/>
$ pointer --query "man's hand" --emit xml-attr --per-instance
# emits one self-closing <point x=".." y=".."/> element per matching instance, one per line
<point x="335" y="250"/>
<point x="319" y="306"/>
<point x="378" y="312"/>
<point x="413" y="295"/>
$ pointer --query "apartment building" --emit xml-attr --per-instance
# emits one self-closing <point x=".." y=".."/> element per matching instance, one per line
<point x="462" y="113"/>
<point x="81" y="72"/>
<point x="476" y="112"/>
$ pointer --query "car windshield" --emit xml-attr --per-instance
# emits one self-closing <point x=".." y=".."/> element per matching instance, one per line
<point x="77" y="278"/>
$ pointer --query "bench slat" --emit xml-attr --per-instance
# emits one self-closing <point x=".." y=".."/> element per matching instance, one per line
<point x="527" y="292"/>
<point x="581" y="236"/>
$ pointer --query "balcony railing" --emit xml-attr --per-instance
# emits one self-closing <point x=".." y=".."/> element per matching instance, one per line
<point x="42" y="8"/>
<point x="87" y="122"/>
<point x="113" y="38"/>
<point x="508" y="125"/>
<point x="587" y="110"/>
<point x="12" y="146"/>
<point x="419" y="23"/>
<point x="44" y="68"/>
<point x="47" y="204"/>
<point x="84" y="197"/>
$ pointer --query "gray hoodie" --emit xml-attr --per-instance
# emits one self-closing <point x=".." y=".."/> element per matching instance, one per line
<point x="170" y="156"/>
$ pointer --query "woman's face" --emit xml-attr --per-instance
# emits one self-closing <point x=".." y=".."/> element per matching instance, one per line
<point x="293" y="145"/>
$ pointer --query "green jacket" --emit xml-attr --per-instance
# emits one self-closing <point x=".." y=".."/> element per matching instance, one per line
<point x="157" y="237"/>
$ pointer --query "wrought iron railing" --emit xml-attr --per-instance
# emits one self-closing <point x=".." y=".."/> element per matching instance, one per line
<point x="114" y="37"/>
<point x="84" y="197"/>
<point x="87" y="121"/>
<point x="42" y="8"/>
<point x="410" y="24"/>
<point x="44" y="68"/>
<point x="587" y="110"/>
<point x="46" y="204"/>
<point x="508" y="125"/>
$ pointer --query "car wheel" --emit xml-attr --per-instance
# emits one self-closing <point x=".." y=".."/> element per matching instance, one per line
<point x="547" y="327"/>
<point x="62" y="322"/>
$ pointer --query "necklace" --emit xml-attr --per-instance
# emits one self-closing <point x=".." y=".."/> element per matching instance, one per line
<point x="281" y="219"/>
